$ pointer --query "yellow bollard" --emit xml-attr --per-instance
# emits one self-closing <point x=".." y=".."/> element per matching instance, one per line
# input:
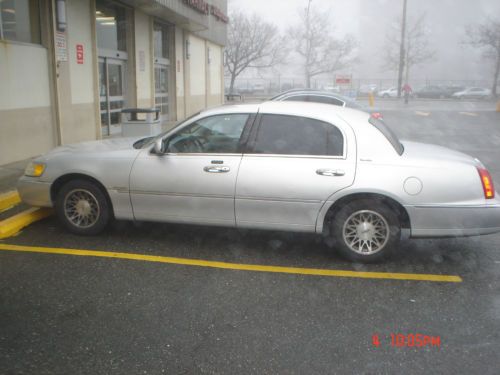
<point x="371" y="99"/>
<point x="498" y="106"/>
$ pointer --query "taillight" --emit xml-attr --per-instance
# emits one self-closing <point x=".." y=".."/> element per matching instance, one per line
<point x="377" y="115"/>
<point x="488" y="188"/>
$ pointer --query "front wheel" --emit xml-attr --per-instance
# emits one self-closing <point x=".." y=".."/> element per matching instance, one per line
<point x="366" y="231"/>
<point x="82" y="207"/>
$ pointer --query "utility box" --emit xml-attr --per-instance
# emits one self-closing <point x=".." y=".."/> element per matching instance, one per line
<point x="140" y="122"/>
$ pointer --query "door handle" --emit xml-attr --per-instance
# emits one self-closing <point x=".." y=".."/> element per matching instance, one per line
<point x="216" y="169"/>
<point x="330" y="172"/>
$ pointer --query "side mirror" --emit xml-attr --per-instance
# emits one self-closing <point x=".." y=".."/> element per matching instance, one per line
<point x="158" y="146"/>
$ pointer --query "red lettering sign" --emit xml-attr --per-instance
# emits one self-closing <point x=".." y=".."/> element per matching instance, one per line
<point x="79" y="53"/>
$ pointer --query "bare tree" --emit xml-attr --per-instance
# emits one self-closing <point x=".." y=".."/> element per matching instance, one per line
<point x="417" y="49"/>
<point x="486" y="36"/>
<point x="314" y="42"/>
<point x="251" y="43"/>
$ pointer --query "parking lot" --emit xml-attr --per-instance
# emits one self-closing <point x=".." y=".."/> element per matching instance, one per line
<point x="213" y="300"/>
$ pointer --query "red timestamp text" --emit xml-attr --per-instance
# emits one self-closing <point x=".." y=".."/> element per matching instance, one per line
<point x="410" y="340"/>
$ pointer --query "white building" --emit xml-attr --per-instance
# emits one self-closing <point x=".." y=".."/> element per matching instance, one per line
<point x="68" y="67"/>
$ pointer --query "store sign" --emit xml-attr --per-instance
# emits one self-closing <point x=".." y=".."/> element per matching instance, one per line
<point x="343" y="79"/>
<point x="218" y="14"/>
<point x="201" y="6"/>
<point x="79" y="53"/>
<point x="61" y="46"/>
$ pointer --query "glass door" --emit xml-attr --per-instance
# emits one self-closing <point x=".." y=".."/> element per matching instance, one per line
<point x="163" y="45"/>
<point x="161" y="90"/>
<point x="111" y="91"/>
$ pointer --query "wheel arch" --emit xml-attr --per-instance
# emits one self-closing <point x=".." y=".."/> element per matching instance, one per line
<point x="62" y="180"/>
<point x="393" y="204"/>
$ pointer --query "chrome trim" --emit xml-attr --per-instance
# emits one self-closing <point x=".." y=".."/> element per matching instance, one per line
<point x="298" y="156"/>
<point x="279" y="199"/>
<point x="143" y="192"/>
<point x="330" y="172"/>
<point x="217" y="169"/>
<point x="439" y="205"/>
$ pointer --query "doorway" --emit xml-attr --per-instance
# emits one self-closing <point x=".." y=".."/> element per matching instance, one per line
<point x="111" y="93"/>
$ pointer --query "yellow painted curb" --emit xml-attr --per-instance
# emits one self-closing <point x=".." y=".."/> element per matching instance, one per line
<point x="14" y="224"/>
<point x="9" y="199"/>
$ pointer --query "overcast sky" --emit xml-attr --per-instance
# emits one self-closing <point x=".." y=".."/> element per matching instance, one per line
<point x="369" y="21"/>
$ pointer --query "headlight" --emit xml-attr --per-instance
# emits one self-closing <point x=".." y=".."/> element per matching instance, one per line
<point x="34" y="169"/>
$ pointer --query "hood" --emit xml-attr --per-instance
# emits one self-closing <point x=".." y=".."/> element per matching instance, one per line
<point x="106" y="145"/>
<point x="426" y="151"/>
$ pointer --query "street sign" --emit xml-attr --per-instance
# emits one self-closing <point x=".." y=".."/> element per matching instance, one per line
<point x="343" y="79"/>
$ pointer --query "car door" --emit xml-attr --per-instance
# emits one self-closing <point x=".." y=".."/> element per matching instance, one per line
<point x="194" y="180"/>
<point x="291" y="167"/>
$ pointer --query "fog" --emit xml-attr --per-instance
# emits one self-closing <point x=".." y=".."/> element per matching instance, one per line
<point x="370" y="20"/>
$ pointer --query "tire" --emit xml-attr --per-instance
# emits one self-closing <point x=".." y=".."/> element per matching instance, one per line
<point x="83" y="208"/>
<point x="373" y="214"/>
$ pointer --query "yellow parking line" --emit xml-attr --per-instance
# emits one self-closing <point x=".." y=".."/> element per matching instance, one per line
<point x="9" y="199"/>
<point x="236" y="266"/>
<point x="14" y="224"/>
<point x="468" y="113"/>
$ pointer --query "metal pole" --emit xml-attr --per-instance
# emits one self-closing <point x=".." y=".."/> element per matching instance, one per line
<point x="402" y="50"/>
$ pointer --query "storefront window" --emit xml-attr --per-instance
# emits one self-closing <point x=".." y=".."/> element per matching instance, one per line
<point x="20" y="20"/>
<point x="161" y="41"/>
<point x="111" y="22"/>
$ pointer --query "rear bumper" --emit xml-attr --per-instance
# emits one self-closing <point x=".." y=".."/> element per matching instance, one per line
<point x="454" y="221"/>
<point x="34" y="192"/>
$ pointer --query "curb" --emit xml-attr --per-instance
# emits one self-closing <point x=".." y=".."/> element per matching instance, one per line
<point x="14" y="224"/>
<point x="8" y="200"/>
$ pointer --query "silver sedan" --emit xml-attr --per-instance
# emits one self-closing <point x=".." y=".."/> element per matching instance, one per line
<point x="290" y="166"/>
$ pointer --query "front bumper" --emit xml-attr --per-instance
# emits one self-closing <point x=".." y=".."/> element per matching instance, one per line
<point x="34" y="192"/>
<point x="454" y="221"/>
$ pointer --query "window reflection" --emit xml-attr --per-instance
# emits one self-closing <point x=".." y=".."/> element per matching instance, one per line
<point x="20" y="20"/>
<point x="111" y="25"/>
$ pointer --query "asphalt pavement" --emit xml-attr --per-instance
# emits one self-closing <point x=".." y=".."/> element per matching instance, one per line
<point x="82" y="314"/>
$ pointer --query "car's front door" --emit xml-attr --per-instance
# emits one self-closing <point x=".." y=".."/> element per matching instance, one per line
<point x="292" y="166"/>
<point x="194" y="180"/>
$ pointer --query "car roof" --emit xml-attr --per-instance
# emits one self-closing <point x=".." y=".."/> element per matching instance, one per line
<point x="327" y="112"/>
<point x="311" y="92"/>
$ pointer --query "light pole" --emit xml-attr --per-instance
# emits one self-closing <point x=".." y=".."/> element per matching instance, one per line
<point x="402" y="50"/>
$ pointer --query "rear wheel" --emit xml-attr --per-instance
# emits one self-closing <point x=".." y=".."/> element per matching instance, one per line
<point x="366" y="230"/>
<point x="82" y="207"/>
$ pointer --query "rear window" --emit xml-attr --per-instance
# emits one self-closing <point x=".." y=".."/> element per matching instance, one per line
<point x="295" y="135"/>
<point x="388" y="133"/>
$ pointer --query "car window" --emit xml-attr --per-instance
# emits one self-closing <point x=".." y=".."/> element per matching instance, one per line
<point x="214" y="134"/>
<point x="298" y="98"/>
<point x="388" y="133"/>
<point x="294" y="135"/>
<point x="326" y="100"/>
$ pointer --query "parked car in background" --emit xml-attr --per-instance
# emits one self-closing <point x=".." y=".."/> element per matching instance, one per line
<point x="388" y="93"/>
<point x="436" y="92"/>
<point x="307" y="95"/>
<point x="332" y="89"/>
<point x="289" y="166"/>
<point x="367" y="89"/>
<point x="473" y="93"/>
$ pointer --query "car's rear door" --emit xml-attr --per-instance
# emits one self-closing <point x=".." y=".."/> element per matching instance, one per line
<point x="291" y="167"/>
